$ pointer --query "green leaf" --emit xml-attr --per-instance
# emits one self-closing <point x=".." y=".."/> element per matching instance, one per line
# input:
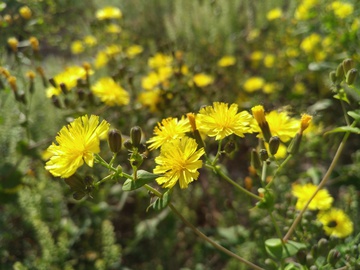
<point x="277" y="250"/>
<point x="162" y="202"/>
<point x="342" y="97"/>
<point x="143" y="178"/>
<point x="355" y="115"/>
<point x="344" y="129"/>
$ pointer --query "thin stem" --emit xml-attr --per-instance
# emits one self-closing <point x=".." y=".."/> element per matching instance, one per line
<point x="263" y="173"/>
<point x="228" y="179"/>
<point x="212" y="242"/>
<point x="277" y="229"/>
<point x="217" y="154"/>
<point x="282" y="165"/>
<point x="321" y="185"/>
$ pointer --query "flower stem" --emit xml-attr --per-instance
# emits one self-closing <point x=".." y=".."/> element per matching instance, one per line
<point x="228" y="179"/>
<point x="321" y="185"/>
<point x="212" y="242"/>
<point x="282" y="165"/>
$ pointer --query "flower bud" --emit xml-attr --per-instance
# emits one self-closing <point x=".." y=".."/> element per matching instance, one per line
<point x="340" y="75"/>
<point x="55" y="101"/>
<point x="274" y="144"/>
<point x="333" y="257"/>
<point x="34" y="42"/>
<point x="255" y="159"/>
<point x="25" y="12"/>
<point x="53" y="82"/>
<point x="63" y="88"/>
<point x="332" y="76"/>
<point x="114" y="140"/>
<point x="128" y="144"/>
<point x="347" y="65"/>
<point x="40" y="70"/>
<point x="351" y="76"/>
<point x="259" y="115"/>
<point x="263" y="154"/>
<point x="135" y="135"/>
<point x="13" y="44"/>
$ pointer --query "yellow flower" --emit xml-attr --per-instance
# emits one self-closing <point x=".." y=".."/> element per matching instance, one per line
<point x="179" y="160"/>
<point x="220" y="121"/>
<point x="77" y="143"/>
<point x="151" y="81"/>
<point x="13" y="43"/>
<point x="108" y="13"/>
<point x="309" y="44"/>
<point x="336" y="223"/>
<point x="134" y="50"/>
<point x="305" y="122"/>
<point x="34" y="42"/>
<point x="113" y="29"/>
<point x="282" y="125"/>
<point x="299" y="88"/>
<point x="226" y="61"/>
<point x="274" y="14"/>
<point x="112" y="50"/>
<point x="150" y="99"/>
<point x="90" y="41"/>
<point x="110" y="92"/>
<point x="270" y="87"/>
<point x="25" y="12"/>
<point x="322" y="200"/>
<point x="169" y="129"/>
<point x="77" y="47"/>
<point x="256" y="56"/>
<point x="342" y="10"/>
<point x="253" y="84"/>
<point x="160" y="60"/>
<point x="269" y="60"/>
<point x="202" y="79"/>
<point x="101" y="59"/>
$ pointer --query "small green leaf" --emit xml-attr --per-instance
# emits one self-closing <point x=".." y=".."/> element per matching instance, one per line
<point x="355" y="115"/>
<point x="344" y="129"/>
<point x="143" y="178"/>
<point x="342" y="97"/>
<point x="162" y="202"/>
<point x="277" y="250"/>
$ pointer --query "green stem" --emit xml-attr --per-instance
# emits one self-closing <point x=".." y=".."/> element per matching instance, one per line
<point x="282" y="165"/>
<point x="263" y="173"/>
<point x="212" y="242"/>
<point x="228" y="179"/>
<point x="321" y="185"/>
<point x="217" y="154"/>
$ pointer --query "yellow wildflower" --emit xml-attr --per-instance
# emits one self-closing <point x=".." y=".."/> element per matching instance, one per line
<point x="226" y="61"/>
<point x="108" y="12"/>
<point x="77" y="47"/>
<point x="322" y="200"/>
<point x="101" y="59"/>
<point x="110" y="92"/>
<point x="13" y="43"/>
<point x="336" y="223"/>
<point x="25" y="12"/>
<point x="113" y="29"/>
<point x="309" y="44"/>
<point x="90" y="41"/>
<point x="342" y="10"/>
<point x="179" y="160"/>
<point x="160" y="60"/>
<point x="77" y="143"/>
<point x="202" y="79"/>
<point x="253" y="84"/>
<point x="274" y="14"/>
<point x="150" y="99"/>
<point x="133" y="50"/>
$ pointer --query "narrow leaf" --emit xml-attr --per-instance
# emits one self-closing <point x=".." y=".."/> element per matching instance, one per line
<point x="143" y="178"/>
<point x="344" y="129"/>
<point x="162" y="202"/>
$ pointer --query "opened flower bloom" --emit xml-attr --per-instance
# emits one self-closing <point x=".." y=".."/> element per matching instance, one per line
<point x="220" y="121"/>
<point x="336" y="223"/>
<point x="108" y="13"/>
<point x="110" y="92"/>
<point x="179" y="160"/>
<point x="77" y="143"/>
<point x="169" y="129"/>
<point x="322" y="200"/>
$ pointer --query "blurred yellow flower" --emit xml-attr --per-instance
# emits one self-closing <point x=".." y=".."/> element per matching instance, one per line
<point x="336" y="223"/>
<point x="113" y="29"/>
<point x="322" y="200"/>
<point x="341" y="9"/>
<point x="25" y="12"/>
<point x="112" y="50"/>
<point x="269" y="60"/>
<point x="309" y="44"/>
<point x="101" y="59"/>
<point x="220" y="121"/>
<point x="133" y="50"/>
<point x="77" y="143"/>
<point x="179" y="160"/>
<point x="169" y="129"/>
<point x="34" y="42"/>
<point x="253" y="84"/>
<point x="256" y="56"/>
<point x="108" y="12"/>
<point x="202" y="79"/>
<point x="270" y="87"/>
<point x="90" y="41"/>
<point x="77" y="47"/>
<point x="160" y="60"/>
<point x="274" y="14"/>
<point x="150" y="99"/>
<point x="13" y="43"/>
<point x="227" y="60"/>
<point x="151" y="81"/>
<point x="110" y="92"/>
<point x="299" y="88"/>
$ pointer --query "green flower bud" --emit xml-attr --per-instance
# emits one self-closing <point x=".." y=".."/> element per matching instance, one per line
<point x="128" y="144"/>
<point x="340" y="75"/>
<point x="347" y="65"/>
<point x="63" y="88"/>
<point x="333" y="257"/>
<point x="56" y="102"/>
<point x="52" y="82"/>
<point x="263" y="154"/>
<point x="332" y="76"/>
<point x="114" y="140"/>
<point x="255" y="159"/>
<point x="135" y="135"/>
<point x="351" y="76"/>
<point x="274" y="144"/>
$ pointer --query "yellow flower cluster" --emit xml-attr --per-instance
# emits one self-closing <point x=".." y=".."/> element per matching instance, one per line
<point x="110" y="92"/>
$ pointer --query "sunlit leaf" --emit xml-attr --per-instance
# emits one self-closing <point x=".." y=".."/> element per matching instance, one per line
<point x="143" y="178"/>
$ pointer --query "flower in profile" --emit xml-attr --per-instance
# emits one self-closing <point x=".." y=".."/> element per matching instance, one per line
<point x="253" y="84"/>
<point x="226" y="61"/>
<point x="13" y="43"/>
<point x="133" y="51"/>
<point x="336" y="222"/>
<point x="77" y="143"/>
<point x="101" y="59"/>
<point x="90" y="41"/>
<point x="108" y="12"/>
<point x="179" y="160"/>
<point x="202" y="79"/>
<point x="25" y="12"/>
<point x="282" y="125"/>
<point x="77" y="47"/>
<point x="169" y="129"/>
<point x="220" y="121"/>
<point x="151" y="81"/>
<point x="160" y="60"/>
<point x="305" y="122"/>
<point x="274" y="14"/>
<point x="310" y="43"/>
<point x="113" y="29"/>
<point x="322" y="200"/>
<point x="110" y="92"/>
